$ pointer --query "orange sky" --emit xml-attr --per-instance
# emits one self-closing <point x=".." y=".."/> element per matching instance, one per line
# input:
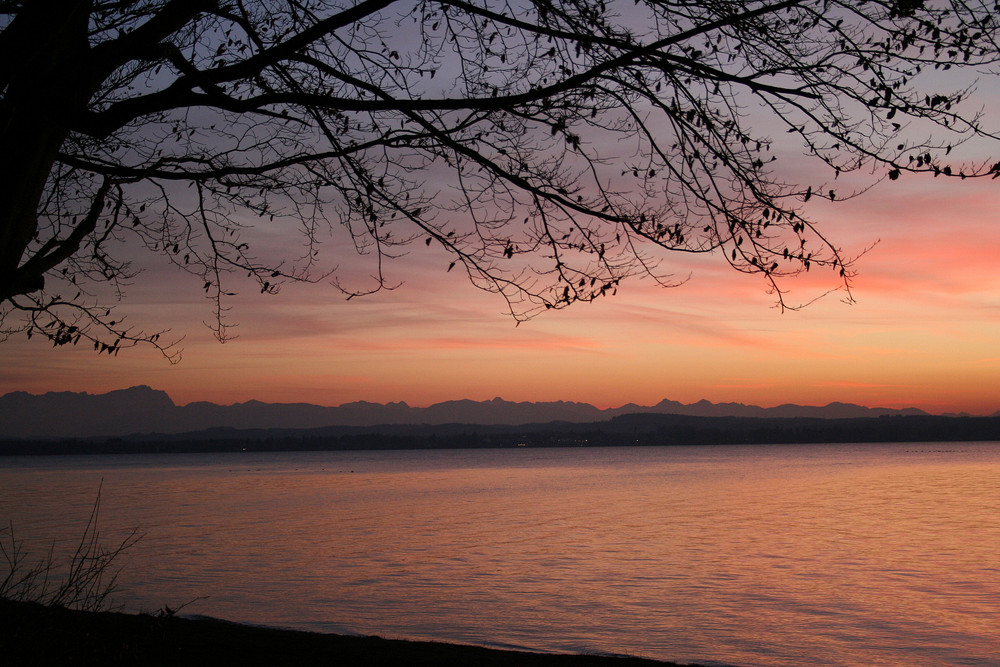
<point x="925" y="330"/>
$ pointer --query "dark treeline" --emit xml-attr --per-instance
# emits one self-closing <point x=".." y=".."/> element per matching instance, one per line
<point x="629" y="430"/>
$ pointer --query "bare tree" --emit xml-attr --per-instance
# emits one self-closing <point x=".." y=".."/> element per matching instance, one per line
<point x="552" y="147"/>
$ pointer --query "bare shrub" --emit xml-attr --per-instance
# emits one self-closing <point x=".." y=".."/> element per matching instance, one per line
<point x="86" y="582"/>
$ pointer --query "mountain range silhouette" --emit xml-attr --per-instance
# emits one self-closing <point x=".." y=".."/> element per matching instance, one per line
<point x="144" y="410"/>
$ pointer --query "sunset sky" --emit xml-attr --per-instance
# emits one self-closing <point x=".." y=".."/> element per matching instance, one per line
<point x="924" y="332"/>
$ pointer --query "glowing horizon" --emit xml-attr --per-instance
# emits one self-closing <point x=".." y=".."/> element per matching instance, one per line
<point x="924" y="332"/>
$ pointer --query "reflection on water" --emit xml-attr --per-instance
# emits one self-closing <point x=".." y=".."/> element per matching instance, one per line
<point x="783" y="555"/>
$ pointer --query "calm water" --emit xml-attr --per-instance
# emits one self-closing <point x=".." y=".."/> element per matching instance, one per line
<point x="783" y="555"/>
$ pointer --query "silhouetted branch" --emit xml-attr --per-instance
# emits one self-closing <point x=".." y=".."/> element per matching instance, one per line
<point x="551" y="149"/>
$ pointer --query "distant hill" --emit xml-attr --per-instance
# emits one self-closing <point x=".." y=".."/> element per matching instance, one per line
<point x="632" y="430"/>
<point x="143" y="410"/>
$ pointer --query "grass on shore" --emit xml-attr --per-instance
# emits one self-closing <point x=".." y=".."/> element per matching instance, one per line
<point x="85" y="581"/>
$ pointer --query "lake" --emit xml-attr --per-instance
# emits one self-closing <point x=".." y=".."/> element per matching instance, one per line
<point x="729" y="555"/>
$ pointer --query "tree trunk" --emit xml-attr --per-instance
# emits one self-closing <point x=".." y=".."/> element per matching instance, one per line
<point x="45" y="70"/>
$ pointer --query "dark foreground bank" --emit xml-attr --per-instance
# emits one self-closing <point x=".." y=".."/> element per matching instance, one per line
<point x="31" y="634"/>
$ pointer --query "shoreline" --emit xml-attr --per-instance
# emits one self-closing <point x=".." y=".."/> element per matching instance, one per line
<point x="633" y="430"/>
<point x="33" y="634"/>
